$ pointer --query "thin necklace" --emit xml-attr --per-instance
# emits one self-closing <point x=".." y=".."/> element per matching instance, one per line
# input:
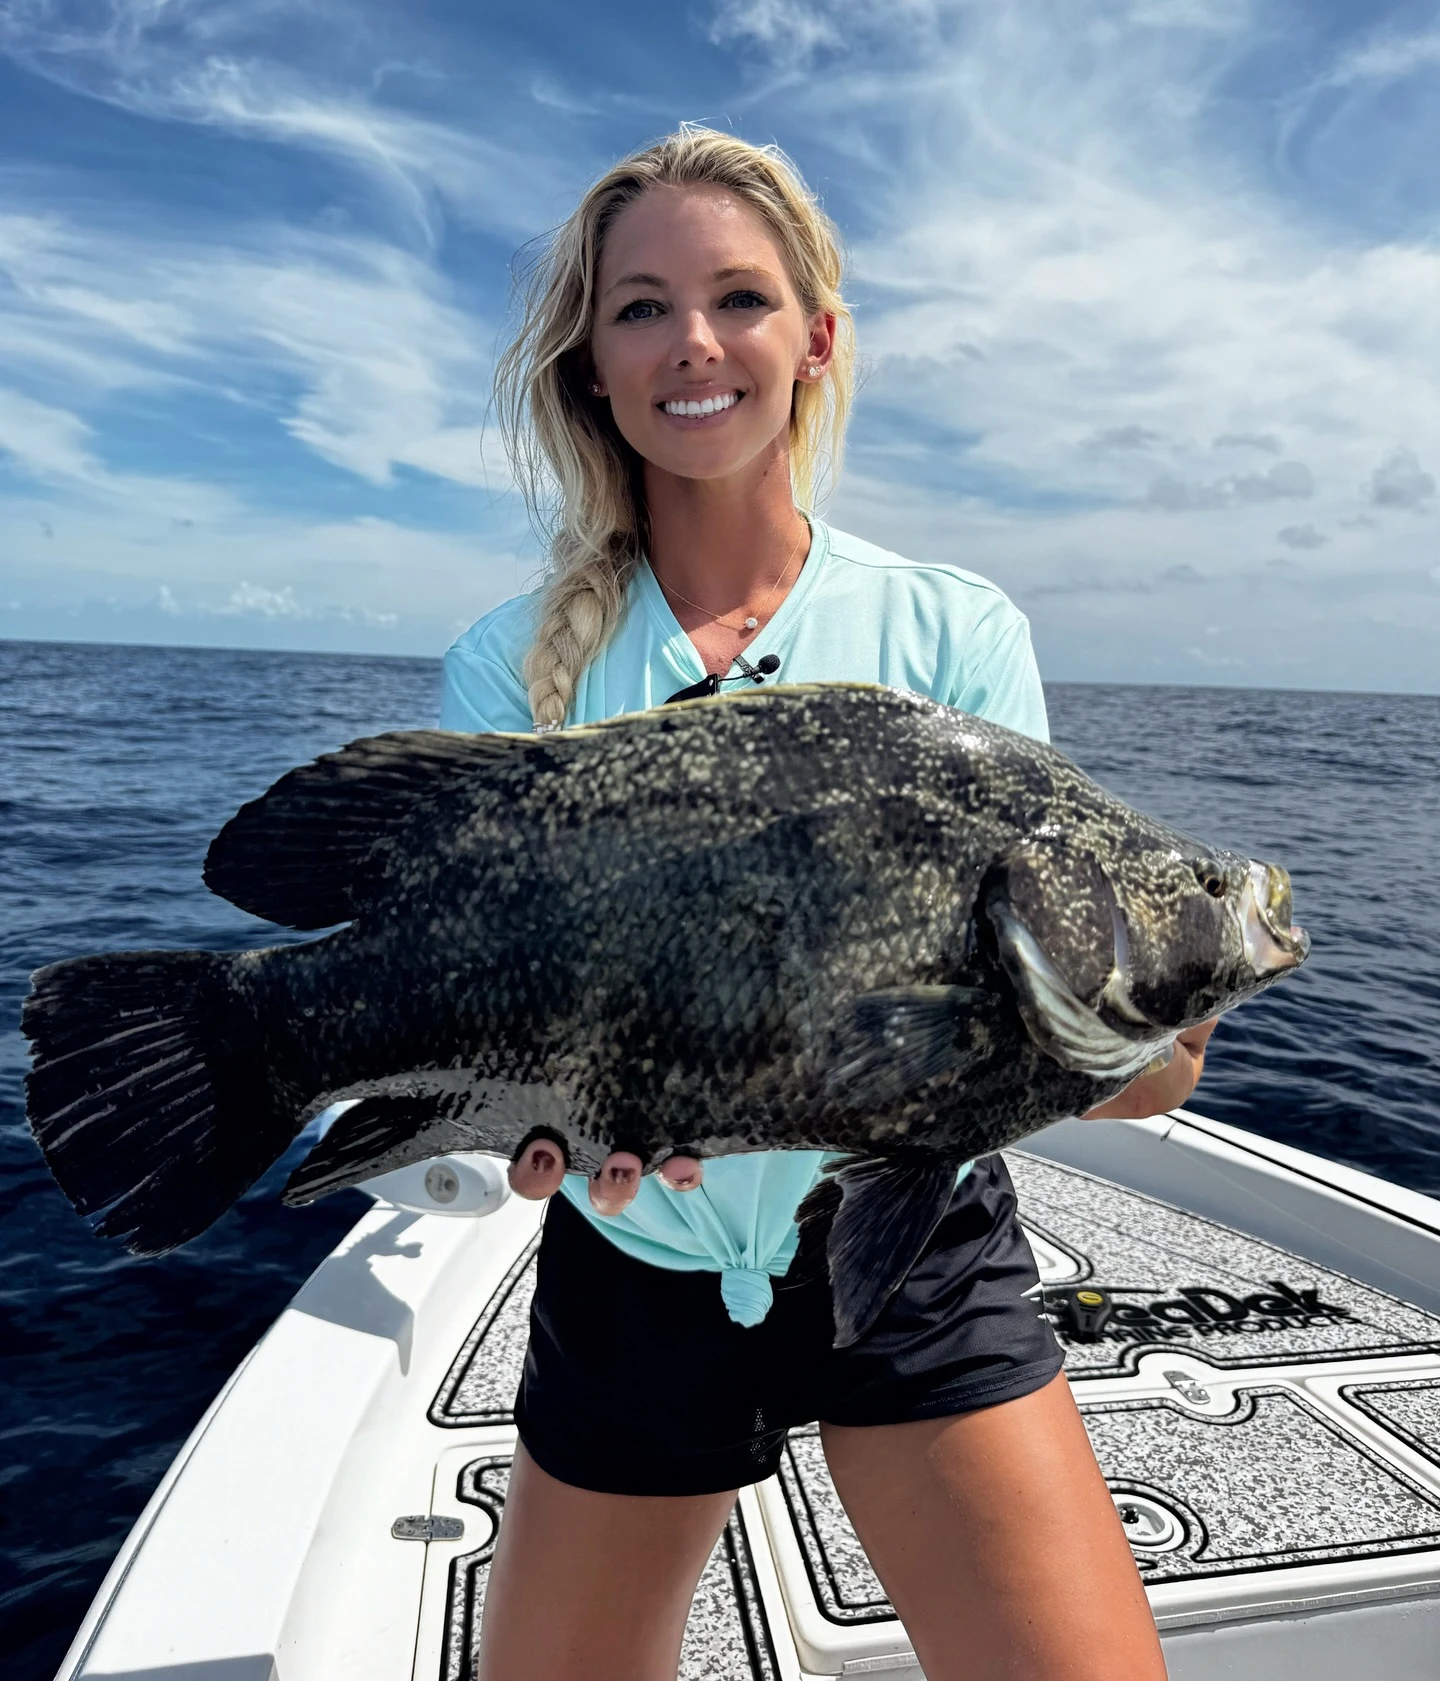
<point x="751" y="622"/>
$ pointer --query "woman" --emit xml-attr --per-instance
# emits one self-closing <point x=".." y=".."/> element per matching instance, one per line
<point x="684" y="362"/>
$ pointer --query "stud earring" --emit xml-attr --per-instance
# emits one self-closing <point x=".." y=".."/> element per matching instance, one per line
<point x="594" y="387"/>
<point x="814" y="373"/>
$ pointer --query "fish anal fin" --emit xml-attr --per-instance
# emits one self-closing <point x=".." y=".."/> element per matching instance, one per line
<point x="309" y="853"/>
<point x="888" y="1209"/>
<point x="896" y="1039"/>
<point x="375" y="1135"/>
<point x="422" y="1114"/>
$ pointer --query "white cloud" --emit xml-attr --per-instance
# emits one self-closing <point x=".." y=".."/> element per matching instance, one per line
<point x="1072" y="267"/>
<point x="253" y="577"/>
<point x="46" y="442"/>
<point x="236" y="68"/>
<point x="269" y="604"/>
<point x="1301" y="537"/>
<point x="385" y="368"/>
<point x="1389" y="56"/>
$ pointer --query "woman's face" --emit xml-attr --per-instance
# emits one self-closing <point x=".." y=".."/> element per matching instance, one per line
<point x="694" y="305"/>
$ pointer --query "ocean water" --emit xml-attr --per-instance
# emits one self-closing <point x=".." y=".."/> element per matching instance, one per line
<point x="118" y="764"/>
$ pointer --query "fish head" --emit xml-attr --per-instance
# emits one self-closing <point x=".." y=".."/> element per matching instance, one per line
<point x="1117" y="941"/>
<point x="1201" y="930"/>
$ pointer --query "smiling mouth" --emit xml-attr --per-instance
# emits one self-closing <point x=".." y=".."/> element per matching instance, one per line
<point x="699" y="408"/>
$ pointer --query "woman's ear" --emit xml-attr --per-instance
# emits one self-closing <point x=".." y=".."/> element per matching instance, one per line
<point x="820" y="347"/>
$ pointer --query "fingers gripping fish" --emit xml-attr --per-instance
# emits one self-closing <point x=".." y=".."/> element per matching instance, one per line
<point x="832" y="916"/>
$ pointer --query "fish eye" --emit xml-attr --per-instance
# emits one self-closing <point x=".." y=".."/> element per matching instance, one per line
<point x="1210" y="876"/>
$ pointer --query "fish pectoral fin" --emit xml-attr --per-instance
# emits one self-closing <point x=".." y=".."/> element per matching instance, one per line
<point x="311" y="851"/>
<point x="896" y="1039"/>
<point x="888" y="1208"/>
<point x="1061" y="1024"/>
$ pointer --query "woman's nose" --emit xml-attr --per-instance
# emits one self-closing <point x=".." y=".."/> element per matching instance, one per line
<point x="695" y="341"/>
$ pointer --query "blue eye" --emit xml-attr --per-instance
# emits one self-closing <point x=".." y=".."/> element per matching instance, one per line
<point x="632" y="311"/>
<point x="744" y="300"/>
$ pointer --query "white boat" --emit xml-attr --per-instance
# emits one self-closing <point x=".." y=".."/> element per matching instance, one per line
<point x="1264" y="1400"/>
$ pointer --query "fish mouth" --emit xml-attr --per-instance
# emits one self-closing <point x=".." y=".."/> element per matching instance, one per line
<point x="1272" y="942"/>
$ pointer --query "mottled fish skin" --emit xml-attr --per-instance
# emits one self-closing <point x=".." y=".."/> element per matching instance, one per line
<point x="830" y="917"/>
<point x="669" y="932"/>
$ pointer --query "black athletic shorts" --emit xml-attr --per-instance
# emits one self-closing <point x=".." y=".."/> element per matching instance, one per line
<point x="637" y="1381"/>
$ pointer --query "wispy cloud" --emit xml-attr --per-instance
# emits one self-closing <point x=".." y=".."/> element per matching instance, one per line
<point x="353" y="346"/>
<point x="1071" y="261"/>
<point x="278" y="72"/>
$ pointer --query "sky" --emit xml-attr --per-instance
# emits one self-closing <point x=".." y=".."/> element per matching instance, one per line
<point x="1147" y="293"/>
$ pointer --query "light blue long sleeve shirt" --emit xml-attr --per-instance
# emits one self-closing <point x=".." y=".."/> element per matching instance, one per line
<point x="856" y="613"/>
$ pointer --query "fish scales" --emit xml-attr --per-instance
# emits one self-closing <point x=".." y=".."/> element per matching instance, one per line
<point x="830" y="917"/>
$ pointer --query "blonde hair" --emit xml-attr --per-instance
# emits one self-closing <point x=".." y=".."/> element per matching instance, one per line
<point x="581" y="480"/>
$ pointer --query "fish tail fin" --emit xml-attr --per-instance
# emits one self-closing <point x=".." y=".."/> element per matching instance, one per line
<point x="148" y="1093"/>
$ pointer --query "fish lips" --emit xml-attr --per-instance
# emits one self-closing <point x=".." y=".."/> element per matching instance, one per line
<point x="1273" y="945"/>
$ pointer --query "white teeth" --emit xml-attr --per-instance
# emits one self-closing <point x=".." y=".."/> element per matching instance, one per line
<point x="708" y="405"/>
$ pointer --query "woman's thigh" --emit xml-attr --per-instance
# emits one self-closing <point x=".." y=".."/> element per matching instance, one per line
<point x="997" y="1541"/>
<point x="592" y="1587"/>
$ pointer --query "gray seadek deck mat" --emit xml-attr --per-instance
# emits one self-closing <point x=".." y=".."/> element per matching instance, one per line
<point x="483" y="1380"/>
<point x="1183" y="1282"/>
<point x="1409" y="1409"/>
<point x="1275" y="1483"/>
<point x="727" y="1637"/>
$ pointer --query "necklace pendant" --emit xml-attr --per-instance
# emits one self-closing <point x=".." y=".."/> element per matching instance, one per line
<point x="751" y="622"/>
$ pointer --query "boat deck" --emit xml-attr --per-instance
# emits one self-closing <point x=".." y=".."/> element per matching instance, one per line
<point x="1264" y="1403"/>
<point x="1250" y="1410"/>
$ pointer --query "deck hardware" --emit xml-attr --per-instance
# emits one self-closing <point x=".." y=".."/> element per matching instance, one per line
<point x="1187" y="1388"/>
<point x="423" y="1528"/>
<point x="442" y="1182"/>
<point x="1082" y="1313"/>
<point x="1148" y="1524"/>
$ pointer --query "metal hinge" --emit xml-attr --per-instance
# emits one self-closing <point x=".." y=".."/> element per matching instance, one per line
<point x="422" y="1528"/>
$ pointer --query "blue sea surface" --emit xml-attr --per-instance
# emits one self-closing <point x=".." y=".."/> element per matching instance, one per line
<point x="117" y="765"/>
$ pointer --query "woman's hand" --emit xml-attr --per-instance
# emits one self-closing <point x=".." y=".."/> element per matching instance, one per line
<point x="1156" y="1091"/>
<point x="537" y="1171"/>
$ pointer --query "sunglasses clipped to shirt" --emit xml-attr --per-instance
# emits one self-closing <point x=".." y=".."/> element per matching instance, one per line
<point x="710" y="683"/>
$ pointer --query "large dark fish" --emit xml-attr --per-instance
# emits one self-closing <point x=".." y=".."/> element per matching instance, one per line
<point x="825" y="917"/>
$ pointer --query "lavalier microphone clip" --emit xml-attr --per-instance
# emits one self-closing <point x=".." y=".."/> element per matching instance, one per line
<point x="710" y="685"/>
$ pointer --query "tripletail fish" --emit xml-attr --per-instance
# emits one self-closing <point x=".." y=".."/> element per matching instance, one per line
<point x="824" y="917"/>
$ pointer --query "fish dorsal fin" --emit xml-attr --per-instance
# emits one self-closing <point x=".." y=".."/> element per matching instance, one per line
<point x="889" y="1207"/>
<point x="896" y="1039"/>
<point x="1063" y="1025"/>
<point x="307" y="853"/>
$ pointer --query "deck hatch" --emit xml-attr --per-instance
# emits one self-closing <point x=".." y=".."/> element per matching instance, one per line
<point x="1408" y="1408"/>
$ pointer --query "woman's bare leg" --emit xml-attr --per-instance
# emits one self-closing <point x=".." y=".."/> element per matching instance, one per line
<point x="592" y="1587"/>
<point x="998" y="1543"/>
